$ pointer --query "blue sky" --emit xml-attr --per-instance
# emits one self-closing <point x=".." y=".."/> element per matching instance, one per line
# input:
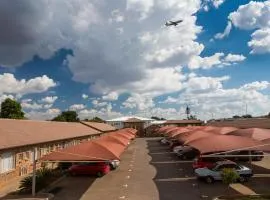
<point x="110" y="59"/>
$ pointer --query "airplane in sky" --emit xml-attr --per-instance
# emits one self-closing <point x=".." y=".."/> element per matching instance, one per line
<point x="173" y="23"/>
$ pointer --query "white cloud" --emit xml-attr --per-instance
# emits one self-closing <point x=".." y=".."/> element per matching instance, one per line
<point x="257" y="85"/>
<point x="49" y="99"/>
<point x="112" y="96"/>
<point x="260" y="42"/>
<point x="32" y="106"/>
<point x="218" y="59"/>
<point x="142" y="6"/>
<point x="251" y="16"/>
<point x="116" y="16"/>
<point x="9" y="84"/>
<point x="225" y="33"/>
<point x="205" y="62"/>
<point x="77" y="107"/>
<point x="3" y="97"/>
<point x="104" y="113"/>
<point x="43" y="115"/>
<point x="234" y="58"/>
<point x="84" y="96"/>
<point x="139" y="101"/>
<point x="96" y="103"/>
<point x="254" y="15"/>
<point x="217" y="3"/>
<point x="208" y="98"/>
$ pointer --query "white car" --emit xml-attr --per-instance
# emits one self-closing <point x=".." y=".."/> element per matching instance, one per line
<point x="114" y="164"/>
<point x="164" y="141"/>
<point x="215" y="173"/>
<point x="180" y="148"/>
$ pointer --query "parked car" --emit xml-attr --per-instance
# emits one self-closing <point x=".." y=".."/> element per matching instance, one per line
<point x="164" y="141"/>
<point x="188" y="153"/>
<point x="179" y="148"/>
<point x="215" y="174"/>
<point x="114" y="164"/>
<point x="208" y="162"/>
<point x="173" y="143"/>
<point x="246" y="158"/>
<point x="92" y="168"/>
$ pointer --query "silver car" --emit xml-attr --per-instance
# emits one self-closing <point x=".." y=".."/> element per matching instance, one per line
<point x="215" y="173"/>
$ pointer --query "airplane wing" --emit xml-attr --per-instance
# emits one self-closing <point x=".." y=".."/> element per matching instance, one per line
<point x="178" y="21"/>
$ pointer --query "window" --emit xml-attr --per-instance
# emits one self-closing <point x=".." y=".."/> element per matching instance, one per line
<point x="7" y="162"/>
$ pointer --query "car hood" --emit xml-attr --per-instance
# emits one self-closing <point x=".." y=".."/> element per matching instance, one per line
<point x="202" y="170"/>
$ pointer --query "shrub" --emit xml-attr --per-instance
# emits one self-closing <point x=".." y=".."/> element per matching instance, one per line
<point x="229" y="176"/>
<point x="43" y="178"/>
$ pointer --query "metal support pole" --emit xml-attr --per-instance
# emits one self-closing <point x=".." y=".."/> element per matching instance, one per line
<point x="249" y="156"/>
<point x="34" y="173"/>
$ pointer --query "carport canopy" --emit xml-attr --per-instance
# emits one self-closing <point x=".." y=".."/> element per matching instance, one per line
<point x="86" y="151"/>
<point x="255" y="133"/>
<point x="220" y="143"/>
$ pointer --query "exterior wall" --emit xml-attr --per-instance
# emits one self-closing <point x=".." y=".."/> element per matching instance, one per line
<point x="116" y="124"/>
<point x="183" y="124"/>
<point x="23" y="157"/>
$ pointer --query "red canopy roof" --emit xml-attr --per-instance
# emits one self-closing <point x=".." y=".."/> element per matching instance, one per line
<point x="127" y="135"/>
<point x="162" y="129"/>
<point x="86" y="151"/>
<point x="174" y="132"/>
<point x="219" y="143"/>
<point x="114" y="137"/>
<point x="223" y="130"/>
<point x="195" y="135"/>
<point x="255" y="133"/>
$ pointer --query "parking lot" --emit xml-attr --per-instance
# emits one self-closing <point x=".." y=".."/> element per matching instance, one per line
<point x="148" y="171"/>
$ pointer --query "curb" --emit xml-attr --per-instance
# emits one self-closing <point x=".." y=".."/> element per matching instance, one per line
<point x="239" y="195"/>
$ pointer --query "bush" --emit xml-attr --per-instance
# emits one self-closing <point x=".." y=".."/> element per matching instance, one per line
<point x="43" y="178"/>
<point x="229" y="176"/>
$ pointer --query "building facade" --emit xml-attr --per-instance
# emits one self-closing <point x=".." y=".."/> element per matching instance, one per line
<point x="20" y="138"/>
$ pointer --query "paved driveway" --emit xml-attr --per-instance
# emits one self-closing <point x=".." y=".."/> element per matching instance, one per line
<point x="148" y="171"/>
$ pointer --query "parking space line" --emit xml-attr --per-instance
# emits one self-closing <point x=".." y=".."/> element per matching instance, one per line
<point x="175" y="179"/>
<point x="168" y="162"/>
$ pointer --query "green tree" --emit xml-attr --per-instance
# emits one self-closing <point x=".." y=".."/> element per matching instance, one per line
<point x="11" y="109"/>
<point x="229" y="176"/>
<point x="192" y="117"/>
<point x="67" y="116"/>
<point x="96" y="119"/>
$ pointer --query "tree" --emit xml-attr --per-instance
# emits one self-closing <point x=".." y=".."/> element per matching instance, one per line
<point x="247" y="116"/>
<point x="67" y="116"/>
<point x="96" y="119"/>
<point x="192" y="117"/>
<point x="157" y="118"/>
<point x="11" y="109"/>
<point x="236" y="117"/>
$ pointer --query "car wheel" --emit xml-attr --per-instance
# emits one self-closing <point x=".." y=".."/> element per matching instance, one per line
<point x="73" y="173"/>
<point x="209" y="179"/>
<point x="243" y="179"/>
<point x="184" y="157"/>
<point x="100" y="174"/>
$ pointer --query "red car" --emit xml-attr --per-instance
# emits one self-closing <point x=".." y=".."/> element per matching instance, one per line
<point x="99" y="169"/>
<point x="208" y="162"/>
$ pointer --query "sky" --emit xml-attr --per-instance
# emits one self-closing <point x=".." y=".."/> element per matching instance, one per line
<point x="116" y="58"/>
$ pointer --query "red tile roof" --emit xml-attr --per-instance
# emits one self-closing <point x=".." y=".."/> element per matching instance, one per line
<point x="99" y="126"/>
<point x="15" y="133"/>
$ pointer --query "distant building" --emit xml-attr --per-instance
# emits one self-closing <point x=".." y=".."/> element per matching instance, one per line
<point x="119" y="122"/>
<point x="184" y="122"/>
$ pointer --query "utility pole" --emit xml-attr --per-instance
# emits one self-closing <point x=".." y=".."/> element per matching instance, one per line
<point x="34" y="173"/>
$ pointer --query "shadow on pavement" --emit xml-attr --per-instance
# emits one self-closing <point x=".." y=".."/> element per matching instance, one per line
<point x="175" y="179"/>
<point x="64" y="190"/>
